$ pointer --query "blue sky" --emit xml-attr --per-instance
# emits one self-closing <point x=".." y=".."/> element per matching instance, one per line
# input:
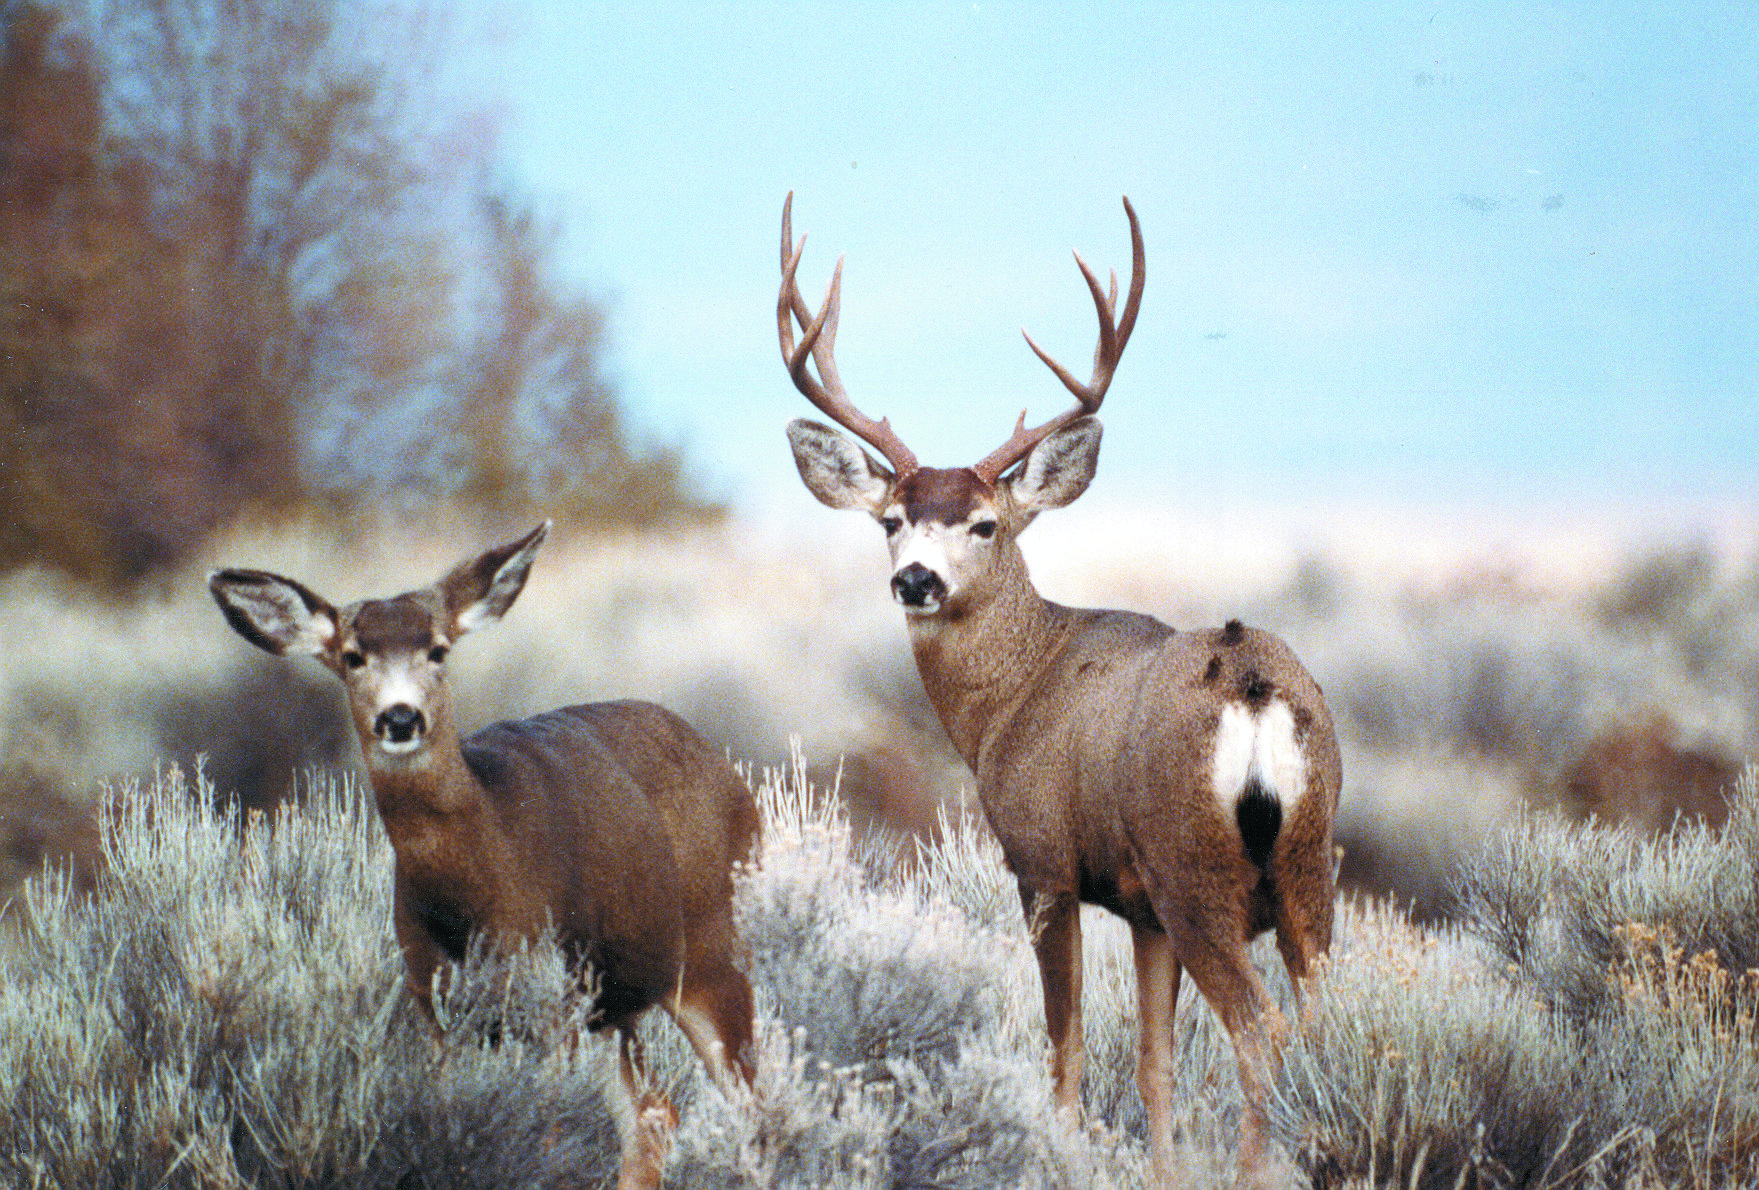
<point x="1405" y="254"/>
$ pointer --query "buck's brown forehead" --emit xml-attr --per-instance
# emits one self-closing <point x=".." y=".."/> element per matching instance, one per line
<point x="402" y="622"/>
<point x="947" y="495"/>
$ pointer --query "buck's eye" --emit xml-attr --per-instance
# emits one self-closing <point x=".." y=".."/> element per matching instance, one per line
<point x="984" y="530"/>
<point x="437" y="654"/>
<point x="891" y="524"/>
<point x="354" y="659"/>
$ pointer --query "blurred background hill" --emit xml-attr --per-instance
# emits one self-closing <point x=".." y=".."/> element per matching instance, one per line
<point x="1445" y="371"/>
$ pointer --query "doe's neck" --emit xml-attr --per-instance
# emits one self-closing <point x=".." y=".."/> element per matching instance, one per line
<point x="430" y="783"/>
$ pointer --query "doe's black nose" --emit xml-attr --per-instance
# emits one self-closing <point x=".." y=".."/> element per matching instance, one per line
<point x="918" y="586"/>
<point x="399" y="723"/>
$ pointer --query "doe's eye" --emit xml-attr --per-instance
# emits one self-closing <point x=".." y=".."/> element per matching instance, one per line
<point x="984" y="530"/>
<point x="354" y="659"/>
<point x="891" y="524"/>
<point x="437" y="654"/>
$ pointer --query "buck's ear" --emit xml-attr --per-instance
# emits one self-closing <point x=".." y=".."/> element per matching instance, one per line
<point x="273" y="613"/>
<point x="1059" y="469"/>
<point x="836" y="470"/>
<point x="479" y="591"/>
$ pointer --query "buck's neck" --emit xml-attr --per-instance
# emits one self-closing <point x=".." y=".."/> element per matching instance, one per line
<point x="979" y="661"/>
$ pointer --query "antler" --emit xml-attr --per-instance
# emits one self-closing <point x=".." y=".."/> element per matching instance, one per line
<point x="1112" y="337"/>
<point x="818" y="342"/>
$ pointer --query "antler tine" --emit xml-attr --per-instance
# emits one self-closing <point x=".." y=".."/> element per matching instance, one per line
<point x="791" y="253"/>
<point x="817" y="344"/>
<point x="790" y="259"/>
<point x="1114" y="333"/>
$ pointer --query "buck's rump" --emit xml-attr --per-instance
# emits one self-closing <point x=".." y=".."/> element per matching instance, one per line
<point x="1108" y="652"/>
<point x="1130" y="711"/>
<point x="1125" y="681"/>
<point x="1202" y="684"/>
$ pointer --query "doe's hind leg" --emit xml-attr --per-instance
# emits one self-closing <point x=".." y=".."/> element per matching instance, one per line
<point x="713" y="1007"/>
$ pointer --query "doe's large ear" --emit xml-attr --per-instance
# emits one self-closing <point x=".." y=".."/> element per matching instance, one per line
<point x="837" y="471"/>
<point x="1059" y="469"/>
<point x="478" y="591"/>
<point x="273" y="613"/>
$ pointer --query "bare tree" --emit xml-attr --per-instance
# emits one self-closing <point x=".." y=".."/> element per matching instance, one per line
<point x="265" y="265"/>
<point x="138" y="404"/>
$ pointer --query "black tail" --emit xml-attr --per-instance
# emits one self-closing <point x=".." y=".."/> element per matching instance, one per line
<point x="1260" y="816"/>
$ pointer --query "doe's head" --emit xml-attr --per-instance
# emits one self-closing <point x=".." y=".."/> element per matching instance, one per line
<point x="951" y="530"/>
<point x="390" y="653"/>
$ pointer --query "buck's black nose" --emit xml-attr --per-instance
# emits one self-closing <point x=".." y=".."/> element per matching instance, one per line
<point x="918" y="586"/>
<point x="399" y="724"/>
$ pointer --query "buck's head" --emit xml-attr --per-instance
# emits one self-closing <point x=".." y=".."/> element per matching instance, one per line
<point x="951" y="530"/>
<point x="390" y="653"/>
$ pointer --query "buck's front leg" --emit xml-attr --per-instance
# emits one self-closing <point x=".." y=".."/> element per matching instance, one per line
<point x="1054" y="922"/>
<point x="1157" y="995"/>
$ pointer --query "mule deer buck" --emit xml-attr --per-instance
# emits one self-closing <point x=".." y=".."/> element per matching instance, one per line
<point x="1186" y="781"/>
<point x="612" y="824"/>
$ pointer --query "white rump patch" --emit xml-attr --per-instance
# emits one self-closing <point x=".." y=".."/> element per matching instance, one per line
<point x="1258" y="745"/>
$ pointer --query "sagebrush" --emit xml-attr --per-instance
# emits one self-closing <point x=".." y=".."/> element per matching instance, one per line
<point x="226" y="1009"/>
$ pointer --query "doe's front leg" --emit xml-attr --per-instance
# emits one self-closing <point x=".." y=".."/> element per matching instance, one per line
<point x="647" y="1119"/>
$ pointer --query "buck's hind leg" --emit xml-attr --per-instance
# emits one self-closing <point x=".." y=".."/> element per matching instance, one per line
<point x="1157" y="995"/>
<point x="1303" y="911"/>
<point x="1295" y="943"/>
<point x="1222" y="969"/>
<point x="1054" y="922"/>
<point x="1208" y="938"/>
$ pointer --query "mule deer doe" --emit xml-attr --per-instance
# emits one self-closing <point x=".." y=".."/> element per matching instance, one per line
<point x="612" y="824"/>
<point x="1186" y="781"/>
